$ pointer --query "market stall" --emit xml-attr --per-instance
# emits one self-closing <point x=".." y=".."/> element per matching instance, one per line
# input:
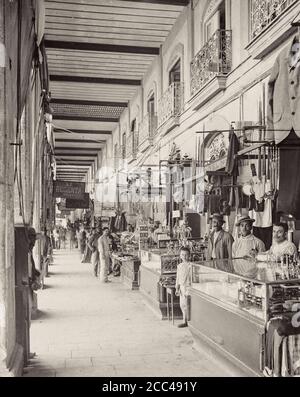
<point x="232" y="316"/>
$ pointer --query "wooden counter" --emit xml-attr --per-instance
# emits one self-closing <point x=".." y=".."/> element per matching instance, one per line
<point x="129" y="269"/>
<point x="130" y="273"/>
<point x="155" y="268"/>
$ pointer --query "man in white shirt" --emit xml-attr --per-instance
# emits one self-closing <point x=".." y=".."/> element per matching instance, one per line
<point x="247" y="244"/>
<point x="104" y="254"/>
<point x="245" y="247"/>
<point x="183" y="281"/>
<point x="281" y="246"/>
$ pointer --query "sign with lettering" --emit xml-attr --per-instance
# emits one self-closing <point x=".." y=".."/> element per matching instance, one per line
<point x="79" y="203"/>
<point x="69" y="190"/>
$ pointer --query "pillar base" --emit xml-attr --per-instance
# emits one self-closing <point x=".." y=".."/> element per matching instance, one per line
<point x="16" y="364"/>
<point x="34" y="308"/>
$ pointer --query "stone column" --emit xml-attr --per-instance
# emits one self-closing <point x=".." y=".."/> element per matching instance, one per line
<point x="11" y="354"/>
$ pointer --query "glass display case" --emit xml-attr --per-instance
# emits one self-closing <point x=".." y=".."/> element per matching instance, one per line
<point x="259" y="298"/>
<point x="230" y="312"/>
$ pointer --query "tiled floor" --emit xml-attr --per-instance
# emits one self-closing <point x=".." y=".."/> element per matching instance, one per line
<point x="85" y="328"/>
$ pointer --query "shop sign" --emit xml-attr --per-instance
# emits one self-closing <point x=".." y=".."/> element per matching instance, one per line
<point x="79" y="203"/>
<point x="69" y="190"/>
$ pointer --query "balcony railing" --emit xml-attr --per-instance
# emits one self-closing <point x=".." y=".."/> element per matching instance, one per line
<point x="131" y="145"/>
<point x="148" y="128"/>
<point x="264" y="12"/>
<point x="214" y="59"/>
<point x="171" y="103"/>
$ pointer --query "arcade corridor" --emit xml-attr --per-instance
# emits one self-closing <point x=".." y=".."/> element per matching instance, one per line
<point x="85" y="328"/>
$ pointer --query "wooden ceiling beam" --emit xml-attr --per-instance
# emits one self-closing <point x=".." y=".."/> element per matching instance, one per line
<point x="75" y="162"/>
<point x="78" y="141"/>
<point x="77" y="131"/>
<point x="94" y="80"/>
<point x="125" y="49"/>
<point x="62" y="155"/>
<point x="74" y="152"/>
<point x="81" y="118"/>
<point x="164" y="2"/>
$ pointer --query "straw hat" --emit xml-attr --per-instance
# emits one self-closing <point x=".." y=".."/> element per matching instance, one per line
<point x="244" y="218"/>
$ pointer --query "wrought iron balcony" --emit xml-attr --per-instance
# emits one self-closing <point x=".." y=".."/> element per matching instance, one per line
<point x="148" y="129"/>
<point x="214" y="59"/>
<point x="171" y="103"/>
<point x="264" y="12"/>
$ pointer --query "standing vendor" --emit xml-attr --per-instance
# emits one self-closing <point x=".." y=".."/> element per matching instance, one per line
<point x="219" y="241"/>
<point x="245" y="247"/>
<point x="280" y="246"/>
<point x="247" y="243"/>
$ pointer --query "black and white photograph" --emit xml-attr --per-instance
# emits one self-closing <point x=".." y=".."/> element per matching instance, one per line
<point x="149" y="191"/>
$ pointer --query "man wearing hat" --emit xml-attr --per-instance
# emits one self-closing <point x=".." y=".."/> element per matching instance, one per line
<point x="219" y="242"/>
<point x="245" y="247"/>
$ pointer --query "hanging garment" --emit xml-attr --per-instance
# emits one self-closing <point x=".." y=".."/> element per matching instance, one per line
<point x="264" y="234"/>
<point x="236" y="200"/>
<point x="293" y="355"/>
<point x="283" y="96"/>
<point x="282" y="346"/>
<point x="263" y="218"/>
<point x="214" y="203"/>
<point x="123" y="223"/>
<point x="232" y="164"/>
<point x="288" y="200"/>
<point x="252" y="202"/>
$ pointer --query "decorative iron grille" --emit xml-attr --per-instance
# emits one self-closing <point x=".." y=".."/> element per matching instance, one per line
<point x="62" y="109"/>
<point x="263" y="12"/>
<point x="171" y="103"/>
<point x="213" y="59"/>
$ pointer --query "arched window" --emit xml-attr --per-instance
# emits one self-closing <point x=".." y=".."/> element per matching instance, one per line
<point x="215" y="147"/>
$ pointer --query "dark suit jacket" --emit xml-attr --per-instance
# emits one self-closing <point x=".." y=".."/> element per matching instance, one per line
<point x="223" y="245"/>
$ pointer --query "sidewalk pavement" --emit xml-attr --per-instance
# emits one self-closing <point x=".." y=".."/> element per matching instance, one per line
<point x="86" y="328"/>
